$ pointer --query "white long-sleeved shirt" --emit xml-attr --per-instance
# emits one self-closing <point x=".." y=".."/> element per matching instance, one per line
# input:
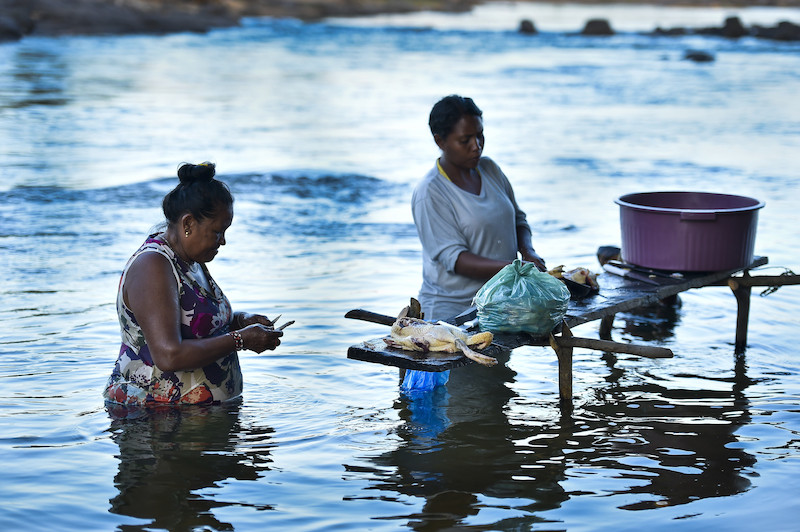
<point x="450" y="221"/>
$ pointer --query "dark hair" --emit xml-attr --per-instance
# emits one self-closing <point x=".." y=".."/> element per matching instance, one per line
<point x="198" y="193"/>
<point x="448" y="111"/>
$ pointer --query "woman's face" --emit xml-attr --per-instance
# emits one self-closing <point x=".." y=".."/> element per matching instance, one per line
<point x="207" y="235"/>
<point x="464" y="145"/>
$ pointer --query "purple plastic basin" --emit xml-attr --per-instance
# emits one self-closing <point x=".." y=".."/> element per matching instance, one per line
<point x="688" y="231"/>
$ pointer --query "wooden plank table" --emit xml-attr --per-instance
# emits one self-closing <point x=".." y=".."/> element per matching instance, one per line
<point x="617" y="294"/>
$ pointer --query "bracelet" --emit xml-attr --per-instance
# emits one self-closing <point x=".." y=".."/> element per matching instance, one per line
<point x="238" y="343"/>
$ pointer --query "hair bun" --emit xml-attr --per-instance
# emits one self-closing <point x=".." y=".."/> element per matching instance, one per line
<point x="189" y="173"/>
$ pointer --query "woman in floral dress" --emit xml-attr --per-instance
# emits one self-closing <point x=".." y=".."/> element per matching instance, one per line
<point x="180" y="337"/>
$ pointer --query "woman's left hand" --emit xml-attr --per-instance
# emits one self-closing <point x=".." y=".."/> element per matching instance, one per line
<point x="244" y="319"/>
<point x="259" y="338"/>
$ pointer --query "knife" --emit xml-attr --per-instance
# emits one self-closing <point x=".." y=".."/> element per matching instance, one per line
<point x="622" y="272"/>
<point x="646" y="271"/>
<point x="282" y="327"/>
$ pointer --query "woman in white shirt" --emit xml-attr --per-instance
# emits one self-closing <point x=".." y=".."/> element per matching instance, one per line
<point x="465" y="212"/>
<point x="467" y="219"/>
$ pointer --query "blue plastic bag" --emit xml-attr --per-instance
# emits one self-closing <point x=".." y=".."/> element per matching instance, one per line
<point x="416" y="380"/>
<point x="427" y="417"/>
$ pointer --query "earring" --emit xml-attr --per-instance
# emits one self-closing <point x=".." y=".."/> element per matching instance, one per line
<point x="187" y="233"/>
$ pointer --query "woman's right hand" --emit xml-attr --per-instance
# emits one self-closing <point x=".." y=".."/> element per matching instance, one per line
<point x="534" y="257"/>
<point x="259" y="338"/>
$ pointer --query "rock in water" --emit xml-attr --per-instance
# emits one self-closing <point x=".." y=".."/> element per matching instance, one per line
<point x="597" y="26"/>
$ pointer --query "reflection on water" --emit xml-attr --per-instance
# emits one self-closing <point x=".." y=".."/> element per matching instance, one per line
<point x="644" y="444"/>
<point x="459" y="447"/>
<point x="460" y="452"/>
<point x="40" y="77"/>
<point x="652" y="323"/>
<point x="167" y="457"/>
<point x="674" y="445"/>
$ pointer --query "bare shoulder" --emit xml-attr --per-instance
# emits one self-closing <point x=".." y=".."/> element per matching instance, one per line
<point x="151" y="261"/>
<point x="150" y="268"/>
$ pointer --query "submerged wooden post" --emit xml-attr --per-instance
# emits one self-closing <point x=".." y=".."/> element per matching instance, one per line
<point x="741" y="290"/>
<point x="564" y="354"/>
<point x="606" y="324"/>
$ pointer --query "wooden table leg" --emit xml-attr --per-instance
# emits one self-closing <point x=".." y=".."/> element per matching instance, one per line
<point x="606" y="324"/>
<point x="742" y="287"/>
<point x="742" y="293"/>
<point x="564" y="354"/>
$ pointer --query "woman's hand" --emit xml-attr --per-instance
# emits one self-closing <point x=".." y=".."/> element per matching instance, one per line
<point x="243" y="319"/>
<point x="260" y="337"/>
<point x="532" y="256"/>
<point x="526" y="248"/>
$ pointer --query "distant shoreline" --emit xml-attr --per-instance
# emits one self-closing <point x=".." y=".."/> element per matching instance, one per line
<point x="21" y="18"/>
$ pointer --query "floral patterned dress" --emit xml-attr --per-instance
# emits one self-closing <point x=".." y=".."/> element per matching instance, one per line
<point x="204" y="313"/>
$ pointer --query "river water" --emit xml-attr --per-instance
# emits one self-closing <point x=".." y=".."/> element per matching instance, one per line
<point x="320" y="130"/>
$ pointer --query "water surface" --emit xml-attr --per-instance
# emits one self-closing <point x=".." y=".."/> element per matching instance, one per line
<point x="320" y="130"/>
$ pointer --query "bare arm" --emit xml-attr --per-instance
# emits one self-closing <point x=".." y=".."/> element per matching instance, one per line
<point x="478" y="267"/>
<point x="151" y="293"/>
<point x="475" y="266"/>
<point x="526" y="248"/>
